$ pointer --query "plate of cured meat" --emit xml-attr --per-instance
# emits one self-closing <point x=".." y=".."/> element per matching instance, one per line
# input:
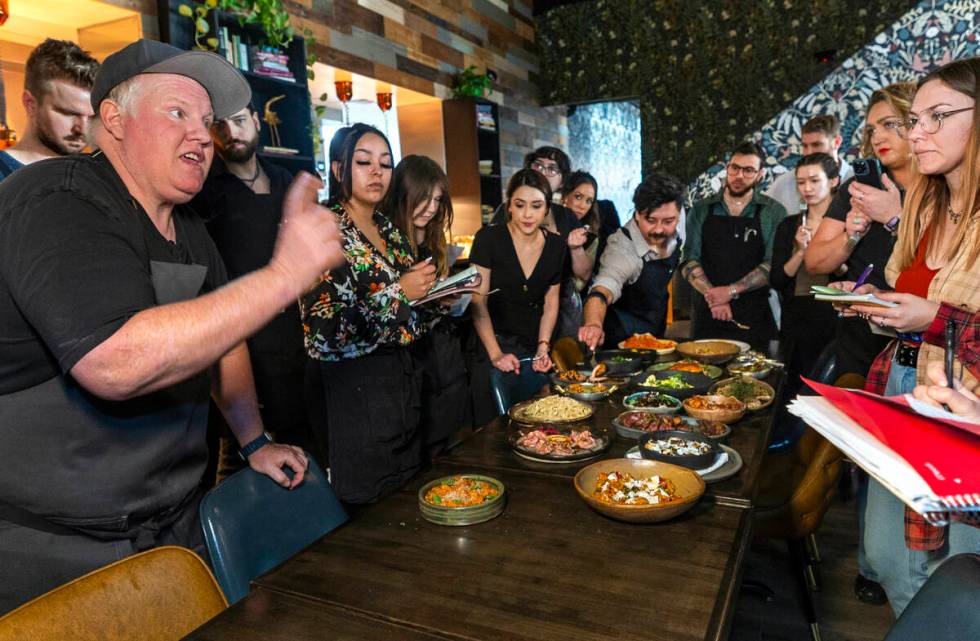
<point x="559" y="445"/>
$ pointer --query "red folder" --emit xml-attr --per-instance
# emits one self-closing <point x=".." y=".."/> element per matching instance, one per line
<point x="945" y="452"/>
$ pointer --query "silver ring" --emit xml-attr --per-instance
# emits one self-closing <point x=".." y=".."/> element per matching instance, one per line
<point x="860" y="196"/>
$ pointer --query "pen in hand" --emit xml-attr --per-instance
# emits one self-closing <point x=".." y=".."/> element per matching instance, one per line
<point x="860" y="281"/>
<point x="950" y="351"/>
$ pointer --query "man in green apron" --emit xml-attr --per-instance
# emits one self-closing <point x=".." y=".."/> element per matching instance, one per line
<point x="117" y="322"/>
<point x="728" y="247"/>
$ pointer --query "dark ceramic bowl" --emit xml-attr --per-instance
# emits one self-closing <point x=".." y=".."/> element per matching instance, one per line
<point x="621" y="361"/>
<point x="699" y="383"/>
<point x="691" y="461"/>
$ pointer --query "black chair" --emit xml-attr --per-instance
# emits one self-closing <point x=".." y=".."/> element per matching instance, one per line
<point x="945" y="609"/>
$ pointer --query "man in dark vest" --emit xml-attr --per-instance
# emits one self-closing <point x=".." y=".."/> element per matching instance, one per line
<point x="629" y="296"/>
<point x="117" y="323"/>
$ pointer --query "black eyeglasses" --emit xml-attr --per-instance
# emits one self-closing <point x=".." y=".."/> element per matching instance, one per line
<point x="931" y="120"/>
<point x="547" y="170"/>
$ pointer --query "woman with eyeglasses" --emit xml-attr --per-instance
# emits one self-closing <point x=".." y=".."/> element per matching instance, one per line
<point x="857" y="231"/>
<point x="358" y="324"/>
<point x="934" y="270"/>
<point x="859" y="228"/>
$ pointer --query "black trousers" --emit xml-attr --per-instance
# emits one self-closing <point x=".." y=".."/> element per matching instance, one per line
<point x="373" y="407"/>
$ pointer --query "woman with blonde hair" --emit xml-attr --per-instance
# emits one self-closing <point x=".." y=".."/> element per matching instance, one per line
<point x="934" y="270"/>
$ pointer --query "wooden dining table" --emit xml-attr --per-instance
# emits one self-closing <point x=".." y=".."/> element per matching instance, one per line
<point x="548" y="567"/>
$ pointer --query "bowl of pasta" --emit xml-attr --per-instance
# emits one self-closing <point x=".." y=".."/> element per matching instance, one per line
<point x="638" y="490"/>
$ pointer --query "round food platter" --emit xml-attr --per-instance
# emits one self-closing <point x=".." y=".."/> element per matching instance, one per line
<point x="713" y="352"/>
<point x="711" y="371"/>
<point x="654" y="402"/>
<point x="589" y="392"/>
<point x="437" y="498"/>
<point x="686" y="448"/>
<point x="762" y="398"/>
<point x="592" y="483"/>
<point x="728" y="469"/>
<point x="534" y="443"/>
<point x="755" y="369"/>
<point x="565" y="411"/>
<point x="639" y="342"/>
<point x="741" y="345"/>
<point x="623" y="362"/>
<point x="661" y="421"/>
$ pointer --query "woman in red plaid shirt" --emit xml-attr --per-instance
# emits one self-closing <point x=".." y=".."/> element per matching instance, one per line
<point x="934" y="271"/>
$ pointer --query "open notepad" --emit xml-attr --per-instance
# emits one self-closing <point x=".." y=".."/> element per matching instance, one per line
<point x="841" y="297"/>
<point x="468" y="280"/>
<point x="927" y="457"/>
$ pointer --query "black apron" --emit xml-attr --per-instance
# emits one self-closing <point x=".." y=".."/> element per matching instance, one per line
<point x="642" y="307"/>
<point x="156" y="441"/>
<point x="731" y="247"/>
<point x="373" y="407"/>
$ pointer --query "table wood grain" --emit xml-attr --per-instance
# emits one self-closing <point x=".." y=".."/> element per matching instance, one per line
<point x="547" y="568"/>
<point x="268" y="615"/>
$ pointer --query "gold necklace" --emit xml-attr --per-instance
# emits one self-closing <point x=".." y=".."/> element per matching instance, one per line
<point x="954" y="216"/>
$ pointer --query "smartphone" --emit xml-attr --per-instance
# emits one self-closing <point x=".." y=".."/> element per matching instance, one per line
<point x="867" y="171"/>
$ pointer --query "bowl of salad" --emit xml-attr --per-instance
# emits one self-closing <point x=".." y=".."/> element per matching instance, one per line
<point x="680" y="385"/>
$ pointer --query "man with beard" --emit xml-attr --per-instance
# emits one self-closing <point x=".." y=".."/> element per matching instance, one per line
<point x="728" y="251"/>
<point x="241" y="203"/>
<point x="636" y="268"/>
<point x="57" y="80"/>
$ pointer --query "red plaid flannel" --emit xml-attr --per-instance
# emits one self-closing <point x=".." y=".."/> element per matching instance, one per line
<point x="919" y="534"/>
<point x="967" y="334"/>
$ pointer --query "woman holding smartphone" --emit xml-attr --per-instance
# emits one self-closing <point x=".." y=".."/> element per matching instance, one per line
<point x="419" y="205"/>
<point x="807" y="324"/>
<point x="359" y="324"/>
<point x="935" y="261"/>
<point x="523" y="262"/>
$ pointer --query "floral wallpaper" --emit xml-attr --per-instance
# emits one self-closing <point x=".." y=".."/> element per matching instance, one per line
<point x="706" y="74"/>
<point x="604" y="140"/>
<point x="930" y="35"/>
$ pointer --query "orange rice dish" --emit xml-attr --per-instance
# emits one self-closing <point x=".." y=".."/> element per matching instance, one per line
<point x="647" y="341"/>
<point x="460" y="491"/>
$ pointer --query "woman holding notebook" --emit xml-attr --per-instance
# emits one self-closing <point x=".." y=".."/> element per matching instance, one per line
<point x="358" y="324"/>
<point x="935" y="262"/>
<point x="419" y="205"/>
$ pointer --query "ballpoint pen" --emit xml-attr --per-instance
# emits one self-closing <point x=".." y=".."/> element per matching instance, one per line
<point x="949" y="354"/>
<point x="860" y="281"/>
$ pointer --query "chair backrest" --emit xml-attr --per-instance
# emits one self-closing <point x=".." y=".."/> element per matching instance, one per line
<point x="509" y="389"/>
<point x="823" y="466"/>
<point x="945" y="609"/>
<point x="158" y="595"/>
<point x="566" y="353"/>
<point x="251" y="524"/>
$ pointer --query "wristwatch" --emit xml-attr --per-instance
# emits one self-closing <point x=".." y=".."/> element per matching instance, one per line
<point x="892" y="225"/>
<point x="254" y="445"/>
<point x="733" y="292"/>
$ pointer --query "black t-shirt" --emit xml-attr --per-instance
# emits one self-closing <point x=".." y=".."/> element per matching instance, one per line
<point x="75" y="264"/>
<point x="517" y="308"/>
<point x="875" y="247"/>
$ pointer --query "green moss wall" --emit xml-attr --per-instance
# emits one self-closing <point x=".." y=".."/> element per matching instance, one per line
<point x="706" y="73"/>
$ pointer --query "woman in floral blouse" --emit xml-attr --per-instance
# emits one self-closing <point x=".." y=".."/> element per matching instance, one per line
<point x="358" y="323"/>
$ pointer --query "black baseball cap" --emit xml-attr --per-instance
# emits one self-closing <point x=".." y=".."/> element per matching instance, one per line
<point x="229" y="91"/>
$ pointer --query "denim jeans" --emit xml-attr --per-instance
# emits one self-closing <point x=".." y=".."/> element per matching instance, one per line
<point x="902" y="571"/>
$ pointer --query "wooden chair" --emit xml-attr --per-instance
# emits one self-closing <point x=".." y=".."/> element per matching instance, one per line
<point x="158" y="595"/>
<point x="251" y="524"/>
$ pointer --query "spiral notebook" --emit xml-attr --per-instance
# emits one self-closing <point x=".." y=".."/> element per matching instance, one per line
<point x="925" y="456"/>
